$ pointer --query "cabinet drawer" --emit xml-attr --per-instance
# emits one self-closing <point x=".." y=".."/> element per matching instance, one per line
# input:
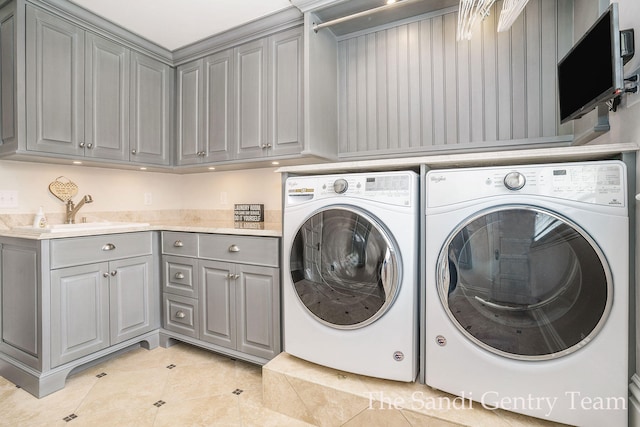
<point x="105" y="247"/>
<point x="181" y="315"/>
<point x="242" y="249"/>
<point x="179" y="276"/>
<point x="177" y="243"/>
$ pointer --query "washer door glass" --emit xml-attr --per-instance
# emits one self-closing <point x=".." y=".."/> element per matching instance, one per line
<point x="344" y="268"/>
<point x="524" y="283"/>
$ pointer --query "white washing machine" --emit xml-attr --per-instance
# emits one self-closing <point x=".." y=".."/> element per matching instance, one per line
<point x="526" y="289"/>
<point x="350" y="285"/>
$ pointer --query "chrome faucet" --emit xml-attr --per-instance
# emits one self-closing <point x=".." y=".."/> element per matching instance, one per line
<point x="72" y="209"/>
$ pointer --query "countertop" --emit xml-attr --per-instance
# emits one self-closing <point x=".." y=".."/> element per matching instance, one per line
<point x="214" y="227"/>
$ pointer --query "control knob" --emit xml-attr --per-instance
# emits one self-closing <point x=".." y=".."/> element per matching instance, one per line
<point x="514" y="180"/>
<point x="340" y="185"/>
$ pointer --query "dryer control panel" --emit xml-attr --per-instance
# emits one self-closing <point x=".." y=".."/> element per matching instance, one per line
<point x="394" y="188"/>
<point x="601" y="183"/>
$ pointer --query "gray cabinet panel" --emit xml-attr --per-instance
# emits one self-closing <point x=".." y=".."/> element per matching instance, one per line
<point x="55" y="86"/>
<point x="106" y="98"/>
<point x="219" y="106"/>
<point x="7" y="79"/>
<point x="285" y="97"/>
<point x="19" y="310"/>
<point x="242" y="249"/>
<point x="132" y="295"/>
<point x="151" y="113"/>
<point x="413" y="87"/>
<point x="190" y="108"/>
<point x="217" y="303"/>
<point x="79" y="312"/>
<point x="258" y="310"/>
<point x="180" y="243"/>
<point x="181" y="315"/>
<point x="251" y="99"/>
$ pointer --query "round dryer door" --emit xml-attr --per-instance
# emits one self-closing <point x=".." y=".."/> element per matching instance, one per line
<point x="344" y="268"/>
<point x="524" y="283"/>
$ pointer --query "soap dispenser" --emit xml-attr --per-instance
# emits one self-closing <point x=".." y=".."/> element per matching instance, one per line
<point x="40" y="221"/>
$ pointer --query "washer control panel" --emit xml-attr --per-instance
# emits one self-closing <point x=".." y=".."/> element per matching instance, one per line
<point x="394" y="188"/>
<point x="601" y="183"/>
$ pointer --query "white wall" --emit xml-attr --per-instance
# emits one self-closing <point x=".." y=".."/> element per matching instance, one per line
<point x="118" y="190"/>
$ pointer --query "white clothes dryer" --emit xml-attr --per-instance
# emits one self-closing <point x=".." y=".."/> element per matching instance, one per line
<point x="527" y="289"/>
<point x="350" y="281"/>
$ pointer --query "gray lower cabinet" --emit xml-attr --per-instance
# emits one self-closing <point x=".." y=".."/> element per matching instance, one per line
<point x="67" y="302"/>
<point x="222" y="293"/>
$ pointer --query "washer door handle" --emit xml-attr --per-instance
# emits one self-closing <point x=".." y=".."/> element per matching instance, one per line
<point x="389" y="273"/>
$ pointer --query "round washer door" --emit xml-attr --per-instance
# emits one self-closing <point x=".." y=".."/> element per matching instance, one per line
<point x="524" y="283"/>
<point x="344" y="267"/>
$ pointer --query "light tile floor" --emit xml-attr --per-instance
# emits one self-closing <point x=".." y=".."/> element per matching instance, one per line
<point x="177" y="386"/>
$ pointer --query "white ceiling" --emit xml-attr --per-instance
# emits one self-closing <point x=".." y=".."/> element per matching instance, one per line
<point x="173" y="24"/>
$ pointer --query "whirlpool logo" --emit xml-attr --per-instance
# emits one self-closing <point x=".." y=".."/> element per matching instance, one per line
<point x="437" y="178"/>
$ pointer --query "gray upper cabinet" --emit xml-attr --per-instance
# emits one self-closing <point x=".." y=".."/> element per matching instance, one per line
<point x="205" y="109"/>
<point x="55" y="84"/>
<point x="8" y="124"/>
<point x="89" y="96"/>
<point x="151" y="110"/>
<point x="269" y="120"/>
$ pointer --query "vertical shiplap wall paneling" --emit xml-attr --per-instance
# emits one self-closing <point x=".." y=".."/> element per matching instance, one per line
<point x="426" y="84"/>
<point x="412" y="87"/>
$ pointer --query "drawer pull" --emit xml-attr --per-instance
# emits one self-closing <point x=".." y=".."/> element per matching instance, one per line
<point x="178" y="244"/>
<point x="234" y="248"/>
<point x="180" y="315"/>
<point x="179" y="276"/>
<point x="109" y="247"/>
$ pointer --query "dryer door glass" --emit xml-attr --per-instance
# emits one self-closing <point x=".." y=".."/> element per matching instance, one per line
<point x="524" y="283"/>
<point x="344" y="268"/>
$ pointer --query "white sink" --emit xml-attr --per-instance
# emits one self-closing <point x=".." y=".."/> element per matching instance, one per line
<point x="82" y="226"/>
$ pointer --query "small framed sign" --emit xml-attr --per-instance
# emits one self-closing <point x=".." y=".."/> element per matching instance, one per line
<point x="248" y="213"/>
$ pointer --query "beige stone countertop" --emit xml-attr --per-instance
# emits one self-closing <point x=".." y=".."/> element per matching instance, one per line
<point x="108" y="227"/>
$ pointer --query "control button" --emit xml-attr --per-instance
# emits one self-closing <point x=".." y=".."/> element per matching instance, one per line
<point x="514" y="180"/>
<point x="340" y="185"/>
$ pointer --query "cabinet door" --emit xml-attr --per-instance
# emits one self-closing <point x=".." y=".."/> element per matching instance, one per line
<point x="251" y="100"/>
<point x="285" y="93"/>
<point x="217" y="303"/>
<point x="133" y="298"/>
<point x="152" y="84"/>
<point x="258" y="310"/>
<point x="79" y="312"/>
<point x="107" y="73"/>
<point x="54" y="84"/>
<point x="190" y="113"/>
<point x="7" y="76"/>
<point x="219" y="106"/>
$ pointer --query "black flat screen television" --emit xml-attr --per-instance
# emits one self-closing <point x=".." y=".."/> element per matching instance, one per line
<point x="591" y="72"/>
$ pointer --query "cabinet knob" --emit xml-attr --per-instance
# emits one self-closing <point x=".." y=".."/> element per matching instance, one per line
<point x="178" y="244"/>
<point x="179" y="276"/>
<point x="236" y="276"/>
<point x="134" y="151"/>
<point x="114" y="272"/>
<point x="232" y="276"/>
<point x="82" y="144"/>
<point x="180" y="315"/>
<point x="105" y="274"/>
<point x="89" y="146"/>
<point x="109" y="247"/>
<point x="234" y="248"/>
